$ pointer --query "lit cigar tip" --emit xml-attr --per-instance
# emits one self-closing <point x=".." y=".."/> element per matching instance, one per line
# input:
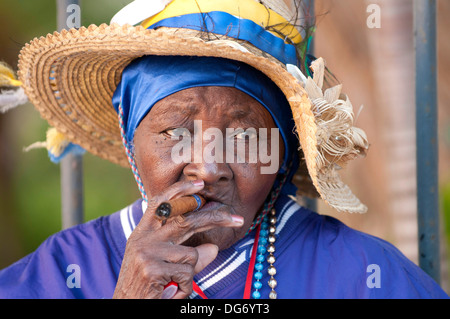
<point x="164" y="210"/>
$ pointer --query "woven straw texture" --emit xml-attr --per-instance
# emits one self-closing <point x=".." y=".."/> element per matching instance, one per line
<point x="71" y="76"/>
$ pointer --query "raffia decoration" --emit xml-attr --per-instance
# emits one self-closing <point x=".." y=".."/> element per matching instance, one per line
<point x="337" y="140"/>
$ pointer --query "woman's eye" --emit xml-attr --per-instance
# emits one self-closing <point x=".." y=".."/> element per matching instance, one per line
<point x="177" y="132"/>
<point x="249" y="134"/>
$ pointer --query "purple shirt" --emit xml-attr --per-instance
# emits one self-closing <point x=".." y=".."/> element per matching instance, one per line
<point x="316" y="257"/>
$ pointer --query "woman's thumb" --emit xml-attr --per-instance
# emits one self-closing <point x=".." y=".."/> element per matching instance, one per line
<point x="206" y="254"/>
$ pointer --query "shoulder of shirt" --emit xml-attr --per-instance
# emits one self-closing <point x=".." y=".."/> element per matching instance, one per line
<point x="301" y="219"/>
<point x="316" y="227"/>
<point x="108" y="228"/>
<point x="78" y="245"/>
<point x="76" y="236"/>
<point x="301" y="224"/>
<point x="334" y="241"/>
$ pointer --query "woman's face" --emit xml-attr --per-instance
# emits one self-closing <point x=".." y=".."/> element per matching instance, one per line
<point x="230" y="184"/>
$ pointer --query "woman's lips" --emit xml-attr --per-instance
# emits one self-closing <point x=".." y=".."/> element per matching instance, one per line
<point x="211" y="205"/>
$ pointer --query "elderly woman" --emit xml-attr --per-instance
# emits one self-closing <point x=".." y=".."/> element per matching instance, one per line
<point x="211" y="102"/>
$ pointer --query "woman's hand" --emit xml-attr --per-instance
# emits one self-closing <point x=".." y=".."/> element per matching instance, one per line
<point x="154" y="255"/>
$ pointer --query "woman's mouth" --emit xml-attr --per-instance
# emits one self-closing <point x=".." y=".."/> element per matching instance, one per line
<point x="211" y="205"/>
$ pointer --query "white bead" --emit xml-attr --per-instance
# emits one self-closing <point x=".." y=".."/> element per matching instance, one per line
<point x="272" y="283"/>
<point x="273" y="294"/>
<point x="271" y="239"/>
<point x="273" y="220"/>
<point x="272" y="271"/>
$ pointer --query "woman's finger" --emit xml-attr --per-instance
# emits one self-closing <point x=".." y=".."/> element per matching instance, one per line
<point x="179" y="189"/>
<point x="206" y="254"/>
<point x="181" y="228"/>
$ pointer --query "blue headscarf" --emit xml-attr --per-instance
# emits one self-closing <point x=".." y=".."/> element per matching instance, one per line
<point x="149" y="79"/>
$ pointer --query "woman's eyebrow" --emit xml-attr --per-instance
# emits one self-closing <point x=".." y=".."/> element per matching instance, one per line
<point x="247" y="117"/>
<point x="186" y="107"/>
<point x="238" y="114"/>
<point x="175" y="108"/>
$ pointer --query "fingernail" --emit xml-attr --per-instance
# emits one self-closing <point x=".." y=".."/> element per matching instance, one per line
<point x="237" y="219"/>
<point x="198" y="183"/>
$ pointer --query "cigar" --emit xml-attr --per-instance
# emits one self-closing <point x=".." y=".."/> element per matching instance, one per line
<point x="179" y="206"/>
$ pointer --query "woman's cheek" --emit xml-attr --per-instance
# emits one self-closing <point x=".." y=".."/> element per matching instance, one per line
<point x="253" y="187"/>
<point x="157" y="170"/>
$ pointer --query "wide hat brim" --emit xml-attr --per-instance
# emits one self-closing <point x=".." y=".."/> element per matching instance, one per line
<point x="71" y="76"/>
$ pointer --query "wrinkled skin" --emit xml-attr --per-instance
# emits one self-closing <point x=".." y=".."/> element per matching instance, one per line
<point x="157" y="254"/>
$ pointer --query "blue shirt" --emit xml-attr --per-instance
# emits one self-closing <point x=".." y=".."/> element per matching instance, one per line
<point x="316" y="257"/>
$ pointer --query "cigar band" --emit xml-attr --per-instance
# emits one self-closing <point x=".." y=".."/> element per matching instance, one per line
<point x="199" y="202"/>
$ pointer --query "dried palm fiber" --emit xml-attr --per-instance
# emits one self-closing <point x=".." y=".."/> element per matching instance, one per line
<point x="337" y="140"/>
<point x="11" y="93"/>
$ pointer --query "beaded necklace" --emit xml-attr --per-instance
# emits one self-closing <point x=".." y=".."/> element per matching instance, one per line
<point x="264" y="243"/>
<point x="265" y="234"/>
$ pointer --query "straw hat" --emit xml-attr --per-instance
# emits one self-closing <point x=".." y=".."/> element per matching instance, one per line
<point x="70" y="78"/>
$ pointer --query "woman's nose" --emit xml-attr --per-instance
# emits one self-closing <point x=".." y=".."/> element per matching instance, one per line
<point x="210" y="172"/>
<point x="208" y="155"/>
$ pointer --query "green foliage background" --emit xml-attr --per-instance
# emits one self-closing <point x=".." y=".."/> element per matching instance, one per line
<point x="30" y="199"/>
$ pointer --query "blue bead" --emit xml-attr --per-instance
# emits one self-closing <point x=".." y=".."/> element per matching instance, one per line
<point x="264" y="225"/>
<point x="260" y="258"/>
<point x="263" y="241"/>
<point x="258" y="275"/>
<point x="264" y="233"/>
<point x="259" y="267"/>
<point x="256" y="295"/>
<point x="257" y="285"/>
<point x="262" y="249"/>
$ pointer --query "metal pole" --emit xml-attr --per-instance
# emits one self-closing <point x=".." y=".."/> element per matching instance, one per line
<point x="311" y="11"/>
<point x="427" y="138"/>
<point x="310" y="203"/>
<point x="72" y="201"/>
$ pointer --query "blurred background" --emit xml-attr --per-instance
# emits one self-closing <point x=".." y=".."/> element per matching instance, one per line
<point x="375" y="65"/>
